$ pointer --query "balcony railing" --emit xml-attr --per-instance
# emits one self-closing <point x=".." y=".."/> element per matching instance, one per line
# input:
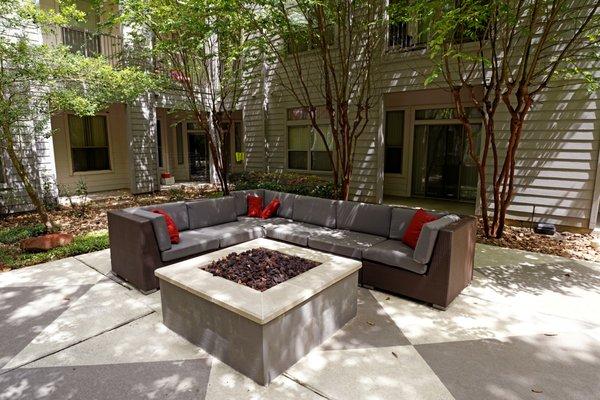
<point x="401" y="37"/>
<point x="92" y="44"/>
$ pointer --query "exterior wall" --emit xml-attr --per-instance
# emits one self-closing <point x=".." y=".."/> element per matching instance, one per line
<point x="37" y="153"/>
<point x="556" y="163"/>
<point x="117" y="177"/>
<point x="142" y="145"/>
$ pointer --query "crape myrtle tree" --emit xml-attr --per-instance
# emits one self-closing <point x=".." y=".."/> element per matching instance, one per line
<point x="502" y="55"/>
<point x="205" y="47"/>
<point x="38" y="80"/>
<point x="323" y="53"/>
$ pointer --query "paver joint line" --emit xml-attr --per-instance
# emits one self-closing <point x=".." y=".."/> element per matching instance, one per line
<point x="2" y="372"/>
<point x="309" y="387"/>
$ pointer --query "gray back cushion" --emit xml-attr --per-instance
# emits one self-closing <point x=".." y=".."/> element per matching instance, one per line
<point x="209" y="212"/>
<point x="428" y="236"/>
<point x="241" y="202"/>
<point x="177" y="211"/>
<point x="401" y="217"/>
<point x="160" y="227"/>
<point x="286" y="208"/>
<point x="315" y="211"/>
<point x="362" y="217"/>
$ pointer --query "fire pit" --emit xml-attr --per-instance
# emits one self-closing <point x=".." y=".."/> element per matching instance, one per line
<point x="260" y="269"/>
<point x="289" y="299"/>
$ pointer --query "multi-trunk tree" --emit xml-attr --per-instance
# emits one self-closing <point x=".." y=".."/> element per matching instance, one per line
<point x="38" y="80"/>
<point x="324" y="53"/>
<point x="499" y="56"/>
<point x="205" y="48"/>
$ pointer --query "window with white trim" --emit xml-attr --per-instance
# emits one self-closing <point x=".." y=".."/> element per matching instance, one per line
<point x="306" y="149"/>
<point x="89" y="143"/>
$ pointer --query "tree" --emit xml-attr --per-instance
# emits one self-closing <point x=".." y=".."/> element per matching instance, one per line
<point x="503" y="53"/>
<point x="37" y="81"/>
<point x="341" y="39"/>
<point x="205" y="47"/>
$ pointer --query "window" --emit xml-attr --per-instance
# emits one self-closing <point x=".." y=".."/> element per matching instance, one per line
<point x="89" y="143"/>
<point x="306" y="149"/>
<point x="159" y="143"/>
<point x="406" y="35"/>
<point x="394" y="141"/>
<point x="179" y="139"/>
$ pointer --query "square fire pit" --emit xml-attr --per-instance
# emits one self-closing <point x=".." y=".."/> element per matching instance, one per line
<point x="260" y="334"/>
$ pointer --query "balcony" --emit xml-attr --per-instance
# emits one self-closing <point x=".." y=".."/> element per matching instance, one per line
<point x="403" y="36"/>
<point x="92" y="44"/>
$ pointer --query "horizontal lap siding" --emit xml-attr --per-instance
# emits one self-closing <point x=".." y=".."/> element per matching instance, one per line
<point x="142" y="145"/>
<point x="36" y="153"/>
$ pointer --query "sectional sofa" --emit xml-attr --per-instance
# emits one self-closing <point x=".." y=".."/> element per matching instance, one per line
<point x="435" y="272"/>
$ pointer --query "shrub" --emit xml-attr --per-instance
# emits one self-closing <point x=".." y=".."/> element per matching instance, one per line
<point x="308" y="185"/>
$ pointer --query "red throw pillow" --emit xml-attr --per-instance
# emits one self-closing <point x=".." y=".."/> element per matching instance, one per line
<point x="413" y="231"/>
<point x="171" y="227"/>
<point x="270" y="209"/>
<point x="255" y="205"/>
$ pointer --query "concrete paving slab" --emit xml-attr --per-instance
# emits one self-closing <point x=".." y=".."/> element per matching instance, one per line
<point x="143" y="340"/>
<point x="26" y="311"/>
<point x="181" y="380"/>
<point x="396" y="373"/>
<point x="226" y="383"/>
<point x="105" y="306"/>
<point x="470" y="318"/>
<point x="67" y="271"/>
<point x="372" y="327"/>
<point x="98" y="260"/>
<point x="532" y="367"/>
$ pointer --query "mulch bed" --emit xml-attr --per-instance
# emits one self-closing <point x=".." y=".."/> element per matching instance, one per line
<point x="94" y="218"/>
<point x="260" y="268"/>
<point x="564" y="244"/>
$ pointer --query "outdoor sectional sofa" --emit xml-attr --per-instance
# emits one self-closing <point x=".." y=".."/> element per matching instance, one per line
<point x="140" y="243"/>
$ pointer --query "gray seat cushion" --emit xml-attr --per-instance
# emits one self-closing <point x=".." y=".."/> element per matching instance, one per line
<point x="209" y="212"/>
<point x="241" y="202"/>
<point x="362" y="217"/>
<point x="294" y="232"/>
<point x="177" y="211"/>
<point x="344" y="243"/>
<point x="396" y="254"/>
<point x="232" y="233"/>
<point x="191" y="243"/>
<point x="315" y="211"/>
<point x="159" y="225"/>
<point x="428" y="237"/>
<point x="286" y="207"/>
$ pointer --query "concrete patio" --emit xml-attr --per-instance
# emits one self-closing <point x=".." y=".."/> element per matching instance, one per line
<point x="527" y="328"/>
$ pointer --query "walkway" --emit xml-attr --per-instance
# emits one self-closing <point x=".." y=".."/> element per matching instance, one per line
<point x="527" y="328"/>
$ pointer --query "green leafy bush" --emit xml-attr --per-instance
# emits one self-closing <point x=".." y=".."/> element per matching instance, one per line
<point x="308" y="185"/>
<point x="18" y="233"/>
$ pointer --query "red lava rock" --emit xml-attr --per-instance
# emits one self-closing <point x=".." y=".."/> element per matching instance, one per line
<point x="46" y="242"/>
<point x="260" y="268"/>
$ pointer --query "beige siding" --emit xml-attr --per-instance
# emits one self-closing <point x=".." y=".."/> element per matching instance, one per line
<point x="117" y="177"/>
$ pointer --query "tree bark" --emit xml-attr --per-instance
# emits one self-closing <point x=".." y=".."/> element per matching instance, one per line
<point x="27" y="184"/>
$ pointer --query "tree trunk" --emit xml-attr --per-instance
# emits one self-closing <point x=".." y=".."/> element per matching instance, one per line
<point x="27" y="184"/>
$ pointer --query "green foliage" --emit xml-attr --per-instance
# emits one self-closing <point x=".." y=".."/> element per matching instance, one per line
<point x="12" y="257"/>
<point x="18" y="233"/>
<point x="80" y="204"/>
<point x="308" y="185"/>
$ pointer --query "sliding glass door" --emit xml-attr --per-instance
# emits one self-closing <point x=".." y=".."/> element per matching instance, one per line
<point x="442" y="167"/>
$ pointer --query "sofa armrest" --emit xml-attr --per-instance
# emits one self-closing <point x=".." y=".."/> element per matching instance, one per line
<point x="453" y="257"/>
<point x="134" y="251"/>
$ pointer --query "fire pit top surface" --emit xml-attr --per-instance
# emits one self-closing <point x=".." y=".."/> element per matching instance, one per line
<point x="259" y="306"/>
<point x="260" y="268"/>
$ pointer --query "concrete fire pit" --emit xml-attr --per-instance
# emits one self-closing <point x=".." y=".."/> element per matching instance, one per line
<point x="260" y="334"/>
